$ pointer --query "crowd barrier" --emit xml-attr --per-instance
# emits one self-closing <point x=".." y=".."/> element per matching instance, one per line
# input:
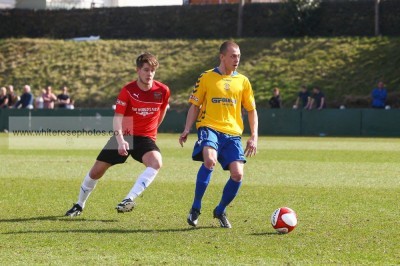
<point x="272" y="122"/>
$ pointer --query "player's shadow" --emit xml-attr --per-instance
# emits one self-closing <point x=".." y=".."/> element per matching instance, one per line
<point x="111" y="231"/>
<point x="266" y="234"/>
<point x="53" y="218"/>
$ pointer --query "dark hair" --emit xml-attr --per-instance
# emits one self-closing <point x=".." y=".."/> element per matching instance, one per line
<point x="224" y="46"/>
<point x="147" y="58"/>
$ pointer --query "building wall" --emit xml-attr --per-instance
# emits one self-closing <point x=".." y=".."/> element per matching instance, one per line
<point x="221" y="2"/>
<point x="30" y="4"/>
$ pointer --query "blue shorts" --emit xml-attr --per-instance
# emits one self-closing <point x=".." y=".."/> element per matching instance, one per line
<point x="229" y="148"/>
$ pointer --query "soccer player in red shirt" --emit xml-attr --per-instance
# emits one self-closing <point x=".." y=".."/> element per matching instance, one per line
<point x="140" y="108"/>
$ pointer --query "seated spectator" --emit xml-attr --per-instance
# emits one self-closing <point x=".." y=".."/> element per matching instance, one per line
<point x="12" y="97"/>
<point x="26" y="99"/>
<point x="303" y="97"/>
<point x="63" y="98"/>
<point x="275" y="100"/>
<point x="49" y="98"/>
<point x="3" y="98"/>
<point x="379" y="95"/>
<point x="317" y="99"/>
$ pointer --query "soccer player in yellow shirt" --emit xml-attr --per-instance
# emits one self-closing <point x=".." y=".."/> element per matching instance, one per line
<point x="216" y="106"/>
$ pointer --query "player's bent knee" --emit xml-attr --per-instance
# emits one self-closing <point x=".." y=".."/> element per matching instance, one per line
<point x="237" y="177"/>
<point x="210" y="163"/>
<point x="153" y="160"/>
<point x="98" y="169"/>
<point x="156" y="165"/>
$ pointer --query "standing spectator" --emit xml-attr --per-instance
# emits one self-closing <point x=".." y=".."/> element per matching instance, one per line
<point x="303" y="97"/>
<point x="63" y="98"/>
<point x="275" y="100"/>
<point x="12" y="97"/>
<point x="379" y="95"/>
<point x="48" y="98"/>
<point x="318" y="99"/>
<point x="3" y="98"/>
<point x="26" y="99"/>
<point x="39" y="101"/>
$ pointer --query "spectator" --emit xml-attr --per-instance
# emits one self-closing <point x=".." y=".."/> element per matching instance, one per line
<point x="303" y="97"/>
<point x="317" y="99"/>
<point x="48" y="98"/>
<point x="63" y="98"/>
<point x="379" y="95"/>
<point x="39" y="101"/>
<point x="71" y="105"/>
<point x="3" y="98"/>
<point x="275" y="100"/>
<point x="12" y="97"/>
<point x="26" y="99"/>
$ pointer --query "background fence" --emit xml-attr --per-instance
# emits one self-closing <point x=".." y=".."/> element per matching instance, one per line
<point x="280" y="122"/>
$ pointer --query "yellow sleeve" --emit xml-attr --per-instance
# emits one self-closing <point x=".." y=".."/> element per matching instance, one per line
<point x="199" y="91"/>
<point x="248" y="97"/>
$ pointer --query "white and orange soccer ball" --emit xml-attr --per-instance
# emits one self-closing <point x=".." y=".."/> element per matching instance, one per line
<point x="284" y="220"/>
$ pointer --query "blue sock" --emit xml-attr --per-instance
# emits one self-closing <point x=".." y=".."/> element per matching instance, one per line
<point x="230" y="191"/>
<point x="203" y="178"/>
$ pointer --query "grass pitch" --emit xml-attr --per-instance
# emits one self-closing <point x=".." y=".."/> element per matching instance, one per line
<point x="345" y="192"/>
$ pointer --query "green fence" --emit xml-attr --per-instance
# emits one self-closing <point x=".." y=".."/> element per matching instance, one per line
<point x="279" y="122"/>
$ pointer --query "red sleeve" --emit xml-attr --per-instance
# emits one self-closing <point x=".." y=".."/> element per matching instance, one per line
<point x="166" y="98"/>
<point x="122" y="101"/>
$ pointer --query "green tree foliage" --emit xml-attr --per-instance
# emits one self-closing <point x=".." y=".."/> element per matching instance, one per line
<point x="301" y="15"/>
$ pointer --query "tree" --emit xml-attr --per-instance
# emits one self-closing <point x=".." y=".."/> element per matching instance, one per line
<point x="302" y="16"/>
<point x="377" y="29"/>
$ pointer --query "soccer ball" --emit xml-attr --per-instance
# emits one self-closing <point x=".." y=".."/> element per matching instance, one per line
<point x="284" y="220"/>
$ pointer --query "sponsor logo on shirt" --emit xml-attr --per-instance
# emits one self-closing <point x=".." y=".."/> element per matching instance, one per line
<point x="145" y="111"/>
<point x="223" y="100"/>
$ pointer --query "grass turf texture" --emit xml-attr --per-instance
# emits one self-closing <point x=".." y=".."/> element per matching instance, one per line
<point x="346" y="68"/>
<point x="345" y="192"/>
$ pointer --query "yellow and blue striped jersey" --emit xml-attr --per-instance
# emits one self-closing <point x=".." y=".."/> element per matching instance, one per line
<point x="221" y="98"/>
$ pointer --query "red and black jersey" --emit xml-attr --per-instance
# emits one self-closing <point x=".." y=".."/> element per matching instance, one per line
<point x="142" y="109"/>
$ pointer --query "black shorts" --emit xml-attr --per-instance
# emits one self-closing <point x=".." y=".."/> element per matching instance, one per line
<point x="138" y="146"/>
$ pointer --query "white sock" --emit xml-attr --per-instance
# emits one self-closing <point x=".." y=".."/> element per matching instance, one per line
<point x="143" y="181"/>
<point x="87" y="186"/>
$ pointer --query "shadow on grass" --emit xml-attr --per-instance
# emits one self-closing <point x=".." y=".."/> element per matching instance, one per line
<point x="111" y="231"/>
<point x="54" y="218"/>
<point x="266" y="234"/>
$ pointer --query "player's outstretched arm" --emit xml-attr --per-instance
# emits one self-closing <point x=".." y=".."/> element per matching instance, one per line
<point x="251" y="145"/>
<point x="190" y="118"/>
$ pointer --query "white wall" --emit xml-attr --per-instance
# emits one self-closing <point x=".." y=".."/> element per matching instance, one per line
<point x="150" y="2"/>
<point x="7" y="3"/>
<point x="85" y="3"/>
